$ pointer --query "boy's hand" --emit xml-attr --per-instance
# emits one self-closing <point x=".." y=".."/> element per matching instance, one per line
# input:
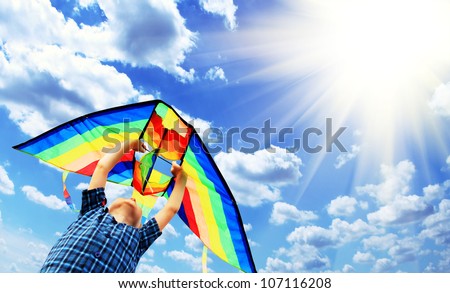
<point x="138" y="145"/>
<point x="177" y="171"/>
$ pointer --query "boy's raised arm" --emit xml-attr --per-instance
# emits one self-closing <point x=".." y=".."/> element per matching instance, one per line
<point x="110" y="159"/>
<point x="173" y="204"/>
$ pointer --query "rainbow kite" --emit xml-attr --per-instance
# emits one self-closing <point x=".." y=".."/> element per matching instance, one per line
<point x="208" y="209"/>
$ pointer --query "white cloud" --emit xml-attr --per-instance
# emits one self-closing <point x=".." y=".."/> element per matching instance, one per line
<point x="381" y="243"/>
<point x="225" y="8"/>
<point x="383" y="265"/>
<point x="348" y="269"/>
<point x="256" y="178"/>
<point x="437" y="226"/>
<point x="344" y="158"/>
<point x="44" y="86"/>
<point x="340" y="232"/>
<point x="363" y="257"/>
<point x="395" y="182"/>
<point x="248" y="227"/>
<point x="180" y="255"/>
<point x="297" y="258"/>
<point x="214" y="73"/>
<point x="276" y="265"/>
<point x="167" y="233"/>
<point x="342" y="206"/>
<point x="145" y="268"/>
<point x="405" y="250"/>
<point x="6" y="184"/>
<point x="149" y="32"/>
<point x="253" y="243"/>
<point x="440" y="101"/>
<point x="193" y="242"/>
<point x="404" y="209"/>
<point x="436" y="191"/>
<point x="86" y="3"/>
<point x="51" y="201"/>
<point x="396" y="206"/>
<point x="283" y="212"/>
<point x="58" y="234"/>
<point x="448" y="161"/>
<point x="51" y="73"/>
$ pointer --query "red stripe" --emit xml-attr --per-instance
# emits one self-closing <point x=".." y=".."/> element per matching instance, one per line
<point x="89" y="169"/>
<point x="190" y="212"/>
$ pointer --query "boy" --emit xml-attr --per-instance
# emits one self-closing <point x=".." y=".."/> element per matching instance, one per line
<point x="111" y="239"/>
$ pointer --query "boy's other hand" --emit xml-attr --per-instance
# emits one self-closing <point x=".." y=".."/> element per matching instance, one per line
<point x="177" y="170"/>
<point x="138" y="145"/>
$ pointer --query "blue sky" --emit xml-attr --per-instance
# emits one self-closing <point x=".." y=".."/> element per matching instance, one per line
<point x="383" y="205"/>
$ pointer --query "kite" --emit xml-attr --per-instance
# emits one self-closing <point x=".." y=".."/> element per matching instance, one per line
<point x="208" y="209"/>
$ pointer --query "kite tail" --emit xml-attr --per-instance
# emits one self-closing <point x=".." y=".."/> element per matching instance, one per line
<point x="66" y="193"/>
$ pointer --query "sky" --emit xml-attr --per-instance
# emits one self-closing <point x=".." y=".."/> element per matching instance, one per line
<point x="354" y="176"/>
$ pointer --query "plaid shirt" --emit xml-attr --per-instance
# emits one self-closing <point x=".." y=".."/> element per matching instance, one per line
<point x="96" y="243"/>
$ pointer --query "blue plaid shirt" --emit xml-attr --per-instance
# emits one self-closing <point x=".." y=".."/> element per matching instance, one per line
<point x="96" y="243"/>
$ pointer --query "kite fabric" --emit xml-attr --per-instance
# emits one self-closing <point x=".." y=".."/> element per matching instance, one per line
<point x="208" y="209"/>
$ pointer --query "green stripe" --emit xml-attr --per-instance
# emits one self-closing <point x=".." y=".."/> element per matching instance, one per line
<point x="87" y="137"/>
<point x="218" y="211"/>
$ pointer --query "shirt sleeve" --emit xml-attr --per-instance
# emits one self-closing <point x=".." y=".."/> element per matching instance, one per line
<point x="92" y="199"/>
<point x="149" y="233"/>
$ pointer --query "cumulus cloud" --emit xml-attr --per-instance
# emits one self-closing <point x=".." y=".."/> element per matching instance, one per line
<point x="283" y="212"/>
<point x="395" y="205"/>
<point x="256" y="178"/>
<point x="6" y="184"/>
<point x="214" y="73"/>
<point x="146" y="268"/>
<point x="194" y="243"/>
<point x="168" y="233"/>
<point x="348" y="269"/>
<point x="383" y="265"/>
<point x="405" y="250"/>
<point x="44" y="86"/>
<point x="51" y="201"/>
<point x="340" y="232"/>
<point x="403" y="210"/>
<point x="248" y="227"/>
<point x="342" y="206"/>
<point x="440" y="101"/>
<point x="51" y="73"/>
<point x="381" y="243"/>
<point x="224" y="8"/>
<point x="363" y="257"/>
<point x="395" y="182"/>
<point x="344" y="158"/>
<point x="296" y="258"/>
<point x="437" y="226"/>
<point x="180" y="255"/>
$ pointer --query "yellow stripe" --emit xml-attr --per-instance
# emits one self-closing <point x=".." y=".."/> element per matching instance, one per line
<point x="205" y="202"/>
<point x="94" y="146"/>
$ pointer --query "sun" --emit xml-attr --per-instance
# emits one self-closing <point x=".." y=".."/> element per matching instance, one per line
<point x="374" y="63"/>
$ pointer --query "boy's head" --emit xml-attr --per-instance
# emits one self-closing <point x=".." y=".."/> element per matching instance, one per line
<point x="126" y="211"/>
